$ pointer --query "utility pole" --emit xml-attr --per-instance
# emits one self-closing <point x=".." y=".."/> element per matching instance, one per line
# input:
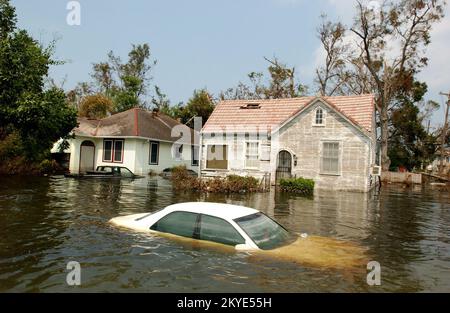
<point x="444" y="133"/>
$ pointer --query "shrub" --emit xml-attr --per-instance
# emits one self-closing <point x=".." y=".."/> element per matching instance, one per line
<point x="49" y="167"/>
<point x="232" y="184"/>
<point x="298" y="185"/>
<point x="236" y="183"/>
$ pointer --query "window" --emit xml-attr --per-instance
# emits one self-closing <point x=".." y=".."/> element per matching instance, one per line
<point x="265" y="232"/>
<point x="154" y="153"/>
<point x="113" y="150"/>
<point x="177" y="223"/>
<point x="178" y="152"/>
<point x="330" y="158"/>
<point x="107" y="150"/>
<point x="252" y="155"/>
<point x="195" y="155"/>
<point x="319" y="117"/>
<point x="118" y="151"/>
<point x="218" y="230"/>
<point x="217" y="157"/>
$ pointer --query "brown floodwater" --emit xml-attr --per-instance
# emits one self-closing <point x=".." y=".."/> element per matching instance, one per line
<point x="47" y="222"/>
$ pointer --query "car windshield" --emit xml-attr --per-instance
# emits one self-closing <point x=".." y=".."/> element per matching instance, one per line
<point x="125" y="172"/>
<point x="265" y="232"/>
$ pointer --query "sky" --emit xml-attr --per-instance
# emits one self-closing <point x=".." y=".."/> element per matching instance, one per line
<point x="209" y="44"/>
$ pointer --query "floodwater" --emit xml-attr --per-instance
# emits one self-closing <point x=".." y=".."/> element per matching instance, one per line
<point x="47" y="222"/>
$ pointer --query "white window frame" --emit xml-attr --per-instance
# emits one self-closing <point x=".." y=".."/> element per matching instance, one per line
<point x="340" y="154"/>
<point x="258" y="154"/>
<point x="193" y="149"/>
<point x="207" y="146"/>
<point x="157" y="153"/>
<point x="323" y="117"/>
<point x="122" y="151"/>
<point x="104" y="150"/>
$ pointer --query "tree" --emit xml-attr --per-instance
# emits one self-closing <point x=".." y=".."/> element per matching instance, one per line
<point x="95" y="106"/>
<point x="410" y="144"/>
<point x="40" y="117"/>
<point x="331" y="77"/>
<point x="199" y="105"/>
<point x="127" y="84"/>
<point x="281" y="83"/>
<point x="388" y="53"/>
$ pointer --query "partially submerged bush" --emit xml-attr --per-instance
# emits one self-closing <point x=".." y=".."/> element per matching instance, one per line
<point x="182" y="180"/>
<point x="300" y="185"/>
<point x="49" y="167"/>
<point x="236" y="183"/>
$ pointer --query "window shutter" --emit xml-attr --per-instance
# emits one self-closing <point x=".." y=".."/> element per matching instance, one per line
<point x="265" y="152"/>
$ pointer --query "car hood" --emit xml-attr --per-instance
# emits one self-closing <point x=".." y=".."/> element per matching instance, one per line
<point x="129" y="221"/>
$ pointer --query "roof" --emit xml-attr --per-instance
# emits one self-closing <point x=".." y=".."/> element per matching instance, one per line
<point x="133" y="123"/>
<point x="272" y="113"/>
<point x="221" y="210"/>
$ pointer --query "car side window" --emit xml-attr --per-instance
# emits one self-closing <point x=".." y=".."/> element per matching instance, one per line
<point x="177" y="223"/>
<point x="218" y="230"/>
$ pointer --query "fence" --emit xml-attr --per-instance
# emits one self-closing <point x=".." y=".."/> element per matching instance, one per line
<point x="402" y="178"/>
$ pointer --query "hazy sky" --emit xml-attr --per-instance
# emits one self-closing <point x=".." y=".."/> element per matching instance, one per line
<point x="204" y="43"/>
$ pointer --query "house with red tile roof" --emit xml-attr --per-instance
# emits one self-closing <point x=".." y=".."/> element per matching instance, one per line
<point x="138" y="139"/>
<point x="331" y="140"/>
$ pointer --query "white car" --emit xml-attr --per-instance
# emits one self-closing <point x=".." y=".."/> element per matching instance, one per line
<point x="241" y="227"/>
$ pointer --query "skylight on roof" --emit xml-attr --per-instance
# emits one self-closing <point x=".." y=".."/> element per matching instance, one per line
<point x="251" y="106"/>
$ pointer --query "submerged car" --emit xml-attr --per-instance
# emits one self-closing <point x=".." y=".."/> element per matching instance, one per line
<point x="246" y="229"/>
<point x="237" y="226"/>
<point x="106" y="171"/>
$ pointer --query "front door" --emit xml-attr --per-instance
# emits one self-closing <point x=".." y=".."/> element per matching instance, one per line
<point x="284" y="166"/>
<point x="87" y="155"/>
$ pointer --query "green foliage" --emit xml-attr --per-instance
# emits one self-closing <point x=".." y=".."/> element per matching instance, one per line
<point x="48" y="166"/>
<point x="96" y="106"/>
<point x="33" y="118"/>
<point x="10" y="146"/>
<point x="300" y="185"/>
<point x="200" y="105"/>
<point x="126" y="83"/>
<point x="410" y="145"/>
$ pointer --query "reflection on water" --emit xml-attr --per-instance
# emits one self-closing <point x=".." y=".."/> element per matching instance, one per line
<point x="47" y="222"/>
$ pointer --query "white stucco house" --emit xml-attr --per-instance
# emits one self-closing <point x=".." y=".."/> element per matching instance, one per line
<point x="331" y="140"/>
<point x="138" y="139"/>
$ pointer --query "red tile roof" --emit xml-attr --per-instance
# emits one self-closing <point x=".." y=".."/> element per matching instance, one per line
<point x="272" y="113"/>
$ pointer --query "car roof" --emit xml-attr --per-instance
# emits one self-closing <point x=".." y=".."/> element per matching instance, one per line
<point x="221" y="210"/>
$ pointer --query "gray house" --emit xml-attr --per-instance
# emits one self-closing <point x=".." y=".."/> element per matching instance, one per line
<point x="329" y="139"/>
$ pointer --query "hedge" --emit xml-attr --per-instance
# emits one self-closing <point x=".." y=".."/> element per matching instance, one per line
<point x="298" y="185"/>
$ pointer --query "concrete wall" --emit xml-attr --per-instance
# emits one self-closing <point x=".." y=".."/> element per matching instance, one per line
<point x="136" y="155"/>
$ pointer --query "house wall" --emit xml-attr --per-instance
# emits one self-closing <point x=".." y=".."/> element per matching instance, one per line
<point x="303" y="140"/>
<point x="166" y="160"/>
<point x="236" y="152"/>
<point x="136" y="155"/>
